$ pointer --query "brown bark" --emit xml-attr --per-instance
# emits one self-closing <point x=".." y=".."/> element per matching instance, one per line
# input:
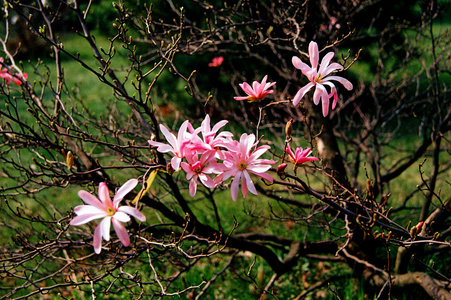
<point x="437" y="289"/>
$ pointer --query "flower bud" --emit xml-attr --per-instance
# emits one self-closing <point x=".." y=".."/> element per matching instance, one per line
<point x="281" y="169"/>
<point x="170" y="169"/>
<point x="289" y="128"/>
<point x="69" y="160"/>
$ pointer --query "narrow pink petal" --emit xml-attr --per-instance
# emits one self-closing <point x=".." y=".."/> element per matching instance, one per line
<point x="249" y="184"/>
<point x="90" y="199"/>
<point x="331" y="68"/>
<point x="258" y="152"/>
<point x="298" y="64"/>
<point x="240" y="98"/>
<point x="162" y="148"/>
<point x="121" y="232"/>
<point x="132" y="212"/>
<point x="235" y="185"/>
<point x="105" y="228"/>
<point x="258" y="168"/>
<point x="243" y="185"/>
<point x="175" y="162"/>
<point x="325" y="62"/>
<point x="265" y="176"/>
<point x="346" y="83"/>
<point x="181" y="138"/>
<point x="104" y="194"/>
<point x="207" y="181"/>
<point x="170" y="137"/>
<point x="300" y="94"/>
<point x="219" y="125"/>
<point x="89" y="209"/>
<point x="289" y="151"/>
<point x="255" y="87"/>
<point x="193" y="186"/>
<point x="247" y="88"/>
<point x="121" y="216"/>
<point x="97" y="240"/>
<point x="317" y="94"/>
<point x="124" y="190"/>
<point x="325" y="100"/>
<point x="205" y="125"/>
<point x="85" y="218"/>
<point x="314" y="54"/>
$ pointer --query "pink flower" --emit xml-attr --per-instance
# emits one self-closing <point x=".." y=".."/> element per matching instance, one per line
<point x="319" y="78"/>
<point x="197" y="169"/>
<point x="258" y="92"/>
<point x="9" y="76"/>
<point x="110" y="211"/>
<point x="216" y="61"/>
<point x="176" y="145"/>
<point x="241" y="161"/>
<point x="300" y="156"/>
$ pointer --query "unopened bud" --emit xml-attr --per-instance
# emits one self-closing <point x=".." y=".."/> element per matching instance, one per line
<point x="419" y="225"/>
<point x="289" y="128"/>
<point x="69" y="160"/>
<point x="170" y="169"/>
<point x="281" y="169"/>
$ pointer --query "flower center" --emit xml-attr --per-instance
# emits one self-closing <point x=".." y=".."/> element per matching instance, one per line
<point x="242" y="166"/>
<point x="110" y="211"/>
<point x="318" y="78"/>
<point x="197" y="167"/>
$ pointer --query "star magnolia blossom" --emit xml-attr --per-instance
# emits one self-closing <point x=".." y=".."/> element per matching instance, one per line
<point x="241" y="161"/>
<point x="300" y="156"/>
<point x="219" y="154"/>
<point x="8" y="76"/>
<point x="110" y="211"/>
<point x="216" y="61"/>
<point x="320" y="78"/>
<point x="198" y="169"/>
<point x="258" y="92"/>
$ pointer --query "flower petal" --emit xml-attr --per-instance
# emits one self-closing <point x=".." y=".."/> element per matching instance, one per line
<point x="124" y="190"/>
<point x="249" y="183"/>
<point x="85" y="218"/>
<point x="104" y="194"/>
<point x="121" y="232"/>
<point x="97" y="240"/>
<point x="346" y="83"/>
<point x="300" y="94"/>
<point x="235" y="185"/>
<point x="314" y="54"/>
<point x="90" y="199"/>
<point x="121" y="216"/>
<point x="325" y="63"/>
<point x="298" y="64"/>
<point x="132" y="212"/>
<point x="105" y="225"/>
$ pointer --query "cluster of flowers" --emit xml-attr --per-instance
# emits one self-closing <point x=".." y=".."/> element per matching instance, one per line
<point x="207" y="151"/>
<point x="9" y="76"/>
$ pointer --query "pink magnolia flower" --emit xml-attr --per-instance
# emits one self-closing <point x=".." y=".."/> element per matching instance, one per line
<point x="9" y="76"/>
<point x="176" y="145"/>
<point x="198" y="169"/>
<point x="110" y="211"/>
<point x="241" y="161"/>
<point x="216" y="61"/>
<point x="300" y="156"/>
<point x="320" y="78"/>
<point x="257" y="92"/>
